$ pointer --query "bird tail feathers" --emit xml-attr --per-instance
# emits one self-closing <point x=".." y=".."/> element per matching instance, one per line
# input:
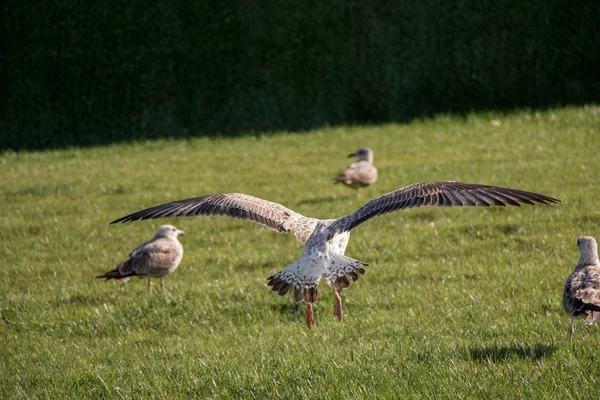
<point x="291" y="279"/>
<point x="114" y="274"/>
<point x="342" y="271"/>
<point x="345" y="270"/>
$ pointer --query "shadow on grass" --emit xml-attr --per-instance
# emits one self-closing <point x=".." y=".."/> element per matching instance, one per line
<point x="499" y="353"/>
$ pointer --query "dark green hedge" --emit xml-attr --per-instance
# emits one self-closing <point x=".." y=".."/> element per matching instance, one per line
<point x="84" y="72"/>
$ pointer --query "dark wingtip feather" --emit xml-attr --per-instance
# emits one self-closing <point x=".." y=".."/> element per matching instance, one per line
<point x="137" y="216"/>
<point x="121" y="220"/>
<point x="551" y="200"/>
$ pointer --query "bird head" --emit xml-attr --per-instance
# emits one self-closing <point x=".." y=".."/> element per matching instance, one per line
<point x="364" y="153"/>
<point x="168" y="231"/>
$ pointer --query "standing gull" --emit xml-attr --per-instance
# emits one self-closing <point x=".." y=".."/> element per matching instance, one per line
<point x="326" y="240"/>
<point x="581" y="297"/>
<point x="155" y="258"/>
<point x="361" y="173"/>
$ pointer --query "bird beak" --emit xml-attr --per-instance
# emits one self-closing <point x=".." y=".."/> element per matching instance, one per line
<point x="180" y="233"/>
<point x="352" y="155"/>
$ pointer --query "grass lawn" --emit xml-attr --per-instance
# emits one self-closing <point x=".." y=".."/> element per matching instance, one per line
<point x="456" y="302"/>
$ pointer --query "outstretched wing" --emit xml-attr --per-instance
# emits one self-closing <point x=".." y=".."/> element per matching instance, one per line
<point x="235" y="205"/>
<point x="437" y="194"/>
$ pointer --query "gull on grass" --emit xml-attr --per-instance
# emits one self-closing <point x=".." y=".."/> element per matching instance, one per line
<point x="581" y="297"/>
<point x="155" y="258"/>
<point x="361" y="173"/>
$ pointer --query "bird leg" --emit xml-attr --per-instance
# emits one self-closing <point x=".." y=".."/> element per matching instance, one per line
<point x="337" y="307"/>
<point x="309" y="315"/>
<point x="149" y="285"/>
<point x="572" y="330"/>
<point x="162" y="284"/>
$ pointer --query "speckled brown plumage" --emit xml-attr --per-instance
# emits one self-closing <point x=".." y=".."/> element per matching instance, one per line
<point x="581" y="296"/>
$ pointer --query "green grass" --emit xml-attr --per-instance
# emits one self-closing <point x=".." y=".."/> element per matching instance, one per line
<point x="456" y="303"/>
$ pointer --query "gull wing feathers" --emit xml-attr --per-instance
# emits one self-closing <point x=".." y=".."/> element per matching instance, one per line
<point x="234" y="205"/>
<point x="150" y="256"/>
<point x="437" y="194"/>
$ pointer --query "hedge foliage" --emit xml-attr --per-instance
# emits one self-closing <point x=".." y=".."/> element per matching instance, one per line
<point x="83" y="73"/>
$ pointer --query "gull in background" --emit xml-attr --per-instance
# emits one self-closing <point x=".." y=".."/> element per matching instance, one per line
<point x="326" y="240"/>
<point x="581" y="297"/>
<point x="361" y="173"/>
<point x="155" y="258"/>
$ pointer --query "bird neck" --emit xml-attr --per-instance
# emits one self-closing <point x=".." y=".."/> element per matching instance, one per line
<point x="589" y="258"/>
<point x="162" y="236"/>
<point x="367" y="157"/>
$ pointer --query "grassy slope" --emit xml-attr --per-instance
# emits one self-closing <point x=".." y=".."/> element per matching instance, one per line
<point x="455" y="303"/>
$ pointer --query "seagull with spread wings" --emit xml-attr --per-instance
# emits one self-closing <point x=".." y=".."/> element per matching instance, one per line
<point x="326" y="240"/>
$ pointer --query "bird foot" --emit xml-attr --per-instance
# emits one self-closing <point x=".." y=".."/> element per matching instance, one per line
<point x="309" y="315"/>
<point x="571" y="330"/>
<point x="337" y="308"/>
